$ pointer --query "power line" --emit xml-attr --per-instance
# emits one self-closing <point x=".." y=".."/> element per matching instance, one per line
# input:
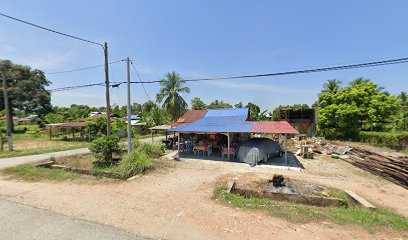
<point x="50" y="30"/>
<point x="140" y="80"/>
<point x="335" y="68"/>
<point x="75" y="87"/>
<point x="82" y="69"/>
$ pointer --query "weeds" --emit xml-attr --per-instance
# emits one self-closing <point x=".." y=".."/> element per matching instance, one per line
<point x="298" y="213"/>
<point x="29" y="172"/>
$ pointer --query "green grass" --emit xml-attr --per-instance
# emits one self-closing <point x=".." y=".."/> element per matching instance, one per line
<point x="298" y="213"/>
<point x="29" y="172"/>
<point x="20" y="153"/>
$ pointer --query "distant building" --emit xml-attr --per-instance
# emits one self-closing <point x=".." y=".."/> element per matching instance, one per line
<point x="303" y="120"/>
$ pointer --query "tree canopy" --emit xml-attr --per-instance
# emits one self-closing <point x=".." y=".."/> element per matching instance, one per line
<point x="198" y="104"/>
<point x="342" y="113"/>
<point x="22" y="80"/>
<point x="170" y="92"/>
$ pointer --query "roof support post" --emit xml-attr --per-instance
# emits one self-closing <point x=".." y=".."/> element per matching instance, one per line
<point x="178" y="142"/>
<point x="152" y="136"/>
<point x="286" y="149"/>
<point x="228" y="146"/>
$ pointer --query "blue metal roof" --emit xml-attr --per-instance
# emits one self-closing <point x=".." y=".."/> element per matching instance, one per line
<point x="220" y="120"/>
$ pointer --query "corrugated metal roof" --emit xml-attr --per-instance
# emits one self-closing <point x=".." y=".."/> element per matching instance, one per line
<point x="189" y="117"/>
<point x="220" y="120"/>
<point x="281" y="127"/>
<point x="234" y="120"/>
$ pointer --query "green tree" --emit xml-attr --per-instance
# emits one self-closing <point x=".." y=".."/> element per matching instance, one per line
<point x="331" y="86"/>
<point x="239" y="105"/>
<point x="343" y="112"/>
<point x="402" y="115"/>
<point x="26" y="89"/>
<point x="156" y="117"/>
<point x="171" y="88"/>
<point x="198" y="104"/>
<point x="136" y="108"/>
<point x="254" y="111"/>
<point x="148" y="106"/>
<point x="218" y="105"/>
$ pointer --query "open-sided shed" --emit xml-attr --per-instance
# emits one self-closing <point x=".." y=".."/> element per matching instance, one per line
<point x="233" y="121"/>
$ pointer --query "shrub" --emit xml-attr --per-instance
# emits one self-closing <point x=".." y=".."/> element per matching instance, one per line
<point x="153" y="150"/>
<point x="386" y="139"/>
<point x="134" y="163"/>
<point x="102" y="150"/>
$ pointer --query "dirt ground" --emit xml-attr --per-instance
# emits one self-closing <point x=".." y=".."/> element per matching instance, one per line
<point x="177" y="203"/>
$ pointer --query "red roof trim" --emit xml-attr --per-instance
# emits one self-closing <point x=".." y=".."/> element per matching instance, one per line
<point x="281" y="127"/>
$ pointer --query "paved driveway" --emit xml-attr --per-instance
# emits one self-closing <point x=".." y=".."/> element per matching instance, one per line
<point x="22" y="222"/>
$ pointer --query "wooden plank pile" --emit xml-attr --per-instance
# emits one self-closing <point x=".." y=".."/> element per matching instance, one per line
<point x="394" y="169"/>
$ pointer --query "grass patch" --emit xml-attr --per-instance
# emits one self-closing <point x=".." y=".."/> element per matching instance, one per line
<point x="29" y="172"/>
<point x="298" y="213"/>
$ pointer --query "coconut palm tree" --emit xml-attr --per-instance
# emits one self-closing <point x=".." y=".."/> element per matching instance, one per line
<point x="331" y="86"/>
<point x="170" y="89"/>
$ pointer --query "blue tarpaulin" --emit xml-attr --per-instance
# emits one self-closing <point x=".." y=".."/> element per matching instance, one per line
<point x="220" y="121"/>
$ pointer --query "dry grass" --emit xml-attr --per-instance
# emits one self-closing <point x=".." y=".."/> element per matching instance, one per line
<point x="28" y="144"/>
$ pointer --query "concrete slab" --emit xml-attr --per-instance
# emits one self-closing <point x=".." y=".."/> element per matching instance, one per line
<point x="360" y="201"/>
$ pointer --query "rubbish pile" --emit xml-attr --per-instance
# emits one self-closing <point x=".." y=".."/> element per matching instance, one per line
<point x="306" y="147"/>
<point x="394" y="169"/>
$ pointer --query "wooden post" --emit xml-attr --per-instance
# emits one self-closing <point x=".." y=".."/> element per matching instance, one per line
<point x="286" y="149"/>
<point x="178" y="142"/>
<point x="50" y="131"/>
<point x="228" y="146"/>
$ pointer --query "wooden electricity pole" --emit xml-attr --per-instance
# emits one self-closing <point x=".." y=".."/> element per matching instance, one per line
<point x="129" y="109"/>
<point x="108" y="123"/>
<point x="9" y="118"/>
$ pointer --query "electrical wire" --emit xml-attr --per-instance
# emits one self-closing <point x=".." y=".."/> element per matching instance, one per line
<point x="140" y="80"/>
<point x="82" y="69"/>
<point x="335" y="68"/>
<point x="75" y="87"/>
<point x="50" y="30"/>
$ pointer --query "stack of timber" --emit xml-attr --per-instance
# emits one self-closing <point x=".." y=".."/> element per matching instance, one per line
<point x="394" y="169"/>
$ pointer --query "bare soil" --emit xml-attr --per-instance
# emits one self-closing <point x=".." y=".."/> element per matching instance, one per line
<point x="177" y="203"/>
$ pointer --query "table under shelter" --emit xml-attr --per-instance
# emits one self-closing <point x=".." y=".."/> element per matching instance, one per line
<point x="224" y="130"/>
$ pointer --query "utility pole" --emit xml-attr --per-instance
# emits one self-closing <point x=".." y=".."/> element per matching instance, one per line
<point x="129" y="109"/>
<point x="8" y="117"/>
<point x="108" y="123"/>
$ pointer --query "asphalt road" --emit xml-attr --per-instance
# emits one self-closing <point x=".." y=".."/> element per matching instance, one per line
<point x="21" y="222"/>
<point x="9" y="162"/>
<point x="14" y="161"/>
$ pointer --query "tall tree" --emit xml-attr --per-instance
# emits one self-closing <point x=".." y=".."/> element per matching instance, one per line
<point x="332" y="86"/>
<point x="197" y="104"/>
<point x="26" y="89"/>
<point x="239" y="105"/>
<point x="341" y="113"/>
<point x="254" y="110"/>
<point x="219" y="104"/>
<point x="402" y="115"/>
<point x="170" y="92"/>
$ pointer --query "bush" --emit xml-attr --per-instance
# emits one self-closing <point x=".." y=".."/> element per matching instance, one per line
<point x="102" y="150"/>
<point x="134" y="163"/>
<point x="153" y="150"/>
<point x="385" y="139"/>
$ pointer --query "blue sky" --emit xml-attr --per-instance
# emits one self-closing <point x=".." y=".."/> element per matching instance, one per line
<point x="207" y="39"/>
